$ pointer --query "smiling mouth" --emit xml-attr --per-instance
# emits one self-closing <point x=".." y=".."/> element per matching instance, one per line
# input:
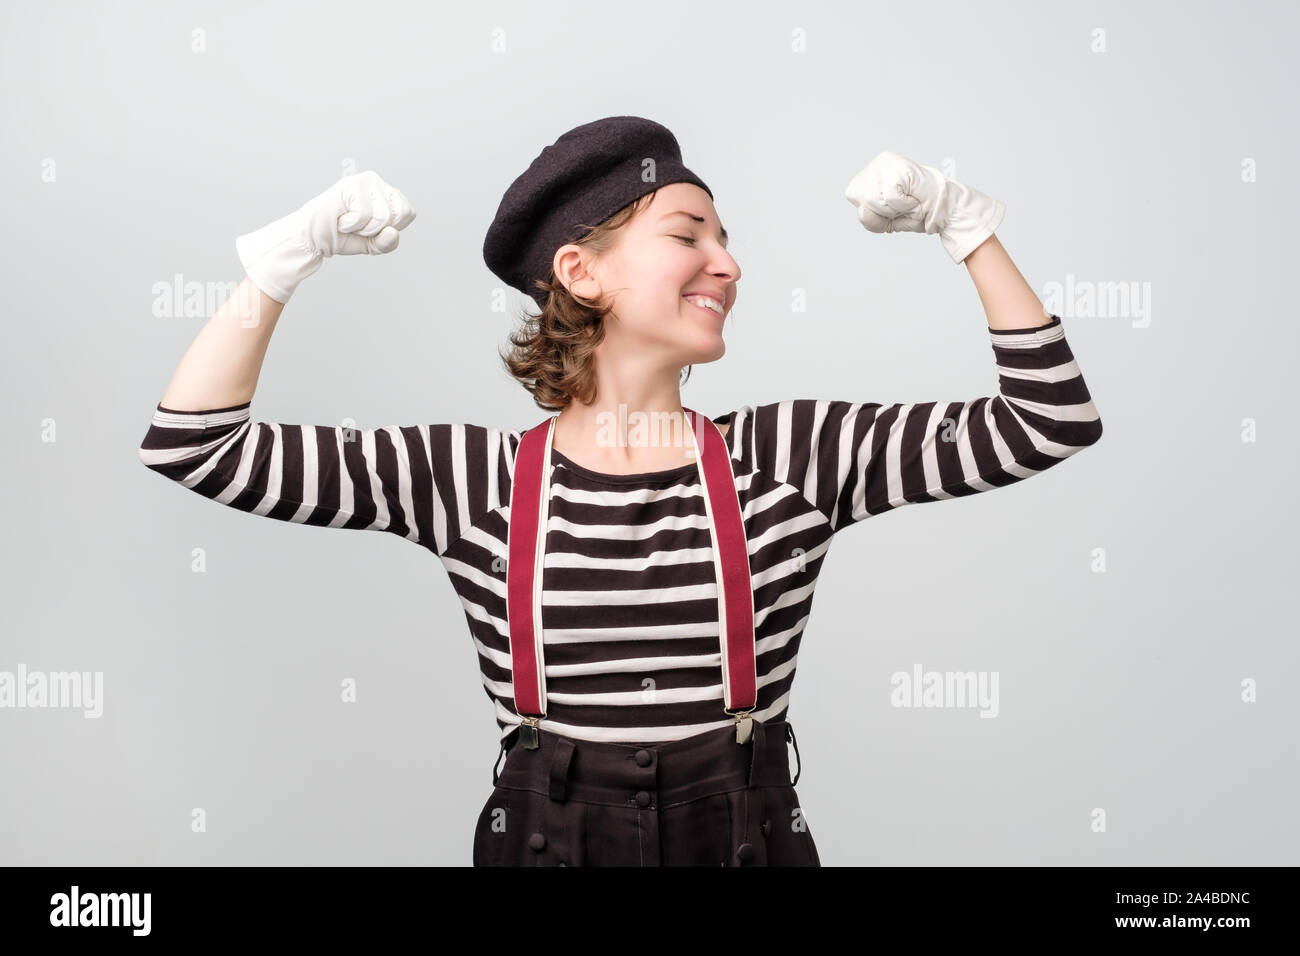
<point x="703" y="308"/>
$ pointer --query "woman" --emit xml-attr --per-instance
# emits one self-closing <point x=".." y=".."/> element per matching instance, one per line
<point x="648" y="724"/>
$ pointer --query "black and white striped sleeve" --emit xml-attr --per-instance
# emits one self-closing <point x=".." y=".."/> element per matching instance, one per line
<point x="853" y="460"/>
<point x="425" y="483"/>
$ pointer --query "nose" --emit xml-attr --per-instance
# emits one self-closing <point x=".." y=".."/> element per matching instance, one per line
<point x="726" y="266"/>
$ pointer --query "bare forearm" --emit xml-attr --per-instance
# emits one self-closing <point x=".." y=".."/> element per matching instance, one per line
<point x="1009" y="302"/>
<point x="222" y="364"/>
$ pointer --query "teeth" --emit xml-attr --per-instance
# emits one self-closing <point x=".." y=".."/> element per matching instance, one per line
<point x="707" y="303"/>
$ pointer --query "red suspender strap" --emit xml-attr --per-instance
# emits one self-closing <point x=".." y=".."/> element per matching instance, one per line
<point x="525" y="540"/>
<point x="731" y="560"/>
<point x="526" y="544"/>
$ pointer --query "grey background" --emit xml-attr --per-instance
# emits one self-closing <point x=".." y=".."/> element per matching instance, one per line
<point x="1119" y="690"/>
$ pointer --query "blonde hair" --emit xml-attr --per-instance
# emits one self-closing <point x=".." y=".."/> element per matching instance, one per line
<point x="554" y="352"/>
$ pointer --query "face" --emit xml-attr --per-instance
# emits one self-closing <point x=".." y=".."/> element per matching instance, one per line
<point x="672" y="247"/>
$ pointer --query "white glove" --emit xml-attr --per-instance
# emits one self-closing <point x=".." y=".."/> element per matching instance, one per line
<point x="358" y="214"/>
<point x="894" y="194"/>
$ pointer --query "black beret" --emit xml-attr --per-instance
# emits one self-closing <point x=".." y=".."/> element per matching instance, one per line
<point x="583" y="178"/>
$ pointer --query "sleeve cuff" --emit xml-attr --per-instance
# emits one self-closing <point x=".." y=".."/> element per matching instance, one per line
<point x="1056" y="320"/>
<point x="203" y="411"/>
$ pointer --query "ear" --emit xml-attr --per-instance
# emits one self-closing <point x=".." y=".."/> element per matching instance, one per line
<point x="573" y="267"/>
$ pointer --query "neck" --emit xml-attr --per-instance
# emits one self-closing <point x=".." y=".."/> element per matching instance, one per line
<point x="636" y="422"/>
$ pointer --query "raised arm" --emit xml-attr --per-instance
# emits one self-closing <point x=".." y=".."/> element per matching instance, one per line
<point x="853" y="460"/>
<point x="202" y="434"/>
<point x="358" y="214"/>
<point x="222" y="365"/>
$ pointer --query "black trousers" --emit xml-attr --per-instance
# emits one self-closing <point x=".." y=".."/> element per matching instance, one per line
<point x="701" y="801"/>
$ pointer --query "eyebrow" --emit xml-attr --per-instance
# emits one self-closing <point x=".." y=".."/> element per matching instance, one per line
<point x="722" y="233"/>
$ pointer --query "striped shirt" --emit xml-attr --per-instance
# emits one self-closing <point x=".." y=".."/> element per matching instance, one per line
<point x="630" y="599"/>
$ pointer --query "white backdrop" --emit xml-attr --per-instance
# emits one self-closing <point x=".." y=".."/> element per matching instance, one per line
<point x="1137" y="603"/>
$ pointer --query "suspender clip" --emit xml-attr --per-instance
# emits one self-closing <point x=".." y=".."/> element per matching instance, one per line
<point x="744" y="725"/>
<point x="528" y="732"/>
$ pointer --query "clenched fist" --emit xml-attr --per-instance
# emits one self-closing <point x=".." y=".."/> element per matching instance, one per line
<point x="358" y="214"/>
<point x="894" y="194"/>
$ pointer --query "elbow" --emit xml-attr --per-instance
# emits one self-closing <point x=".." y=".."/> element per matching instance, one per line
<point x="1096" y="431"/>
<point x="148" y="457"/>
<point x="1090" y="430"/>
<point x="1087" y="432"/>
<point x="1074" y="436"/>
<point x="155" y="452"/>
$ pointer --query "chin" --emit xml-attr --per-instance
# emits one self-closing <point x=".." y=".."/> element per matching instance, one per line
<point x="710" y="354"/>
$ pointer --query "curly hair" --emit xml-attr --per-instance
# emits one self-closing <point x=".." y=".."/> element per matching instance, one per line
<point x="554" y="353"/>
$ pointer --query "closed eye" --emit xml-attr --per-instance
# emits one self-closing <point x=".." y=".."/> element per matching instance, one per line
<point x="686" y="239"/>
